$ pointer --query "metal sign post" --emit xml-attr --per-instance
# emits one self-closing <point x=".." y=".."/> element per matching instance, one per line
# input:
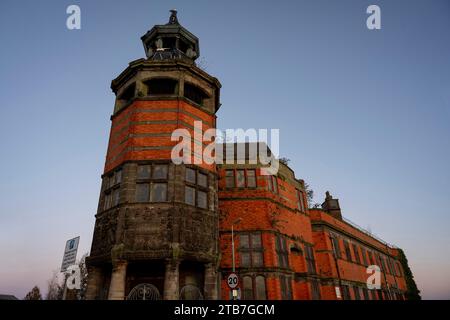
<point x="69" y="258"/>
<point x="233" y="282"/>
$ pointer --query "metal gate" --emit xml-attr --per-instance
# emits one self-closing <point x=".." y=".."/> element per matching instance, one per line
<point x="144" y="291"/>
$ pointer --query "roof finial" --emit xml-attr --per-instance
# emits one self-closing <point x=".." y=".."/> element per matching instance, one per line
<point x="173" y="17"/>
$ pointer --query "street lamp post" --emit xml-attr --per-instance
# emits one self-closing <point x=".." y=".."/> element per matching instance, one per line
<point x="235" y="222"/>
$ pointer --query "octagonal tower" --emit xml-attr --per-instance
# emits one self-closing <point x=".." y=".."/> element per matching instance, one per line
<point x="156" y="229"/>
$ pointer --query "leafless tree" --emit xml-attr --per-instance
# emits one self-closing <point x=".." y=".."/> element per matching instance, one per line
<point x="34" y="294"/>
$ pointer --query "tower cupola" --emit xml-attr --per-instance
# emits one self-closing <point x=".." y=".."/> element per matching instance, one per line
<point x="170" y="41"/>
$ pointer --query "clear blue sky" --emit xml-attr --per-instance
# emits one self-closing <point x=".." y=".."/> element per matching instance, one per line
<point x="364" y="114"/>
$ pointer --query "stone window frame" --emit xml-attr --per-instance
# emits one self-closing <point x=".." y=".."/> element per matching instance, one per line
<point x="364" y="256"/>
<point x="371" y="256"/>
<point x="251" y="249"/>
<point x="282" y="251"/>
<point x="197" y="187"/>
<point x="254" y="287"/>
<point x="346" y="292"/>
<point x="365" y="293"/>
<point x="310" y="259"/>
<point x="286" y="287"/>
<point x="272" y="183"/>
<point x="151" y="181"/>
<point x="234" y="178"/>
<point x="315" y="289"/>
<point x="300" y="200"/>
<point x="373" y="294"/>
<point x="348" y="253"/>
<point x="111" y="190"/>
<point x="335" y="247"/>
<point x="356" y="253"/>
<point x="357" y="293"/>
<point x="399" y="269"/>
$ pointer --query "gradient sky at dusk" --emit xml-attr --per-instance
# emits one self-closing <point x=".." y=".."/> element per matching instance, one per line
<point x="363" y="114"/>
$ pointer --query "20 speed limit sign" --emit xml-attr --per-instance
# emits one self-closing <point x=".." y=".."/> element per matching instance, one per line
<point x="233" y="280"/>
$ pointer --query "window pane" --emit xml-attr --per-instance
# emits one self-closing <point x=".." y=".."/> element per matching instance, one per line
<point x="202" y="180"/>
<point x="248" y="288"/>
<point x="336" y="249"/>
<point x="245" y="259"/>
<point x="142" y="192"/>
<point x="105" y="183"/>
<point x="301" y="204"/>
<point x="107" y="201"/>
<point x="356" y="252"/>
<point x="251" y="179"/>
<point x="356" y="292"/>
<point x="118" y="177"/>
<point x="364" y="257"/>
<point x="240" y="178"/>
<point x="159" y="192"/>
<point x="347" y="251"/>
<point x="111" y="181"/>
<point x="189" y="195"/>
<point x="286" y="287"/>
<point x="243" y="241"/>
<point x="257" y="259"/>
<point x="190" y="175"/>
<point x="256" y="241"/>
<point x="202" y="199"/>
<point x="229" y="178"/>
<point x="116" y="197"/>
<point x="275" y="184"/>
<point x="260" y="283"/>
<point x="143" y="172"/>
<point x="315" y="289"/>
<point x="160" y="171"/>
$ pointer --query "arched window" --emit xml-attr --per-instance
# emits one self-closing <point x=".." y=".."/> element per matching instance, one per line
<point x="161" y="86"/>
<point x="194" y="93"/>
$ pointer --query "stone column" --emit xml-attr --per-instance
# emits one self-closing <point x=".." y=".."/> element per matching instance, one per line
<point x="118" y="277"/>
<point x="171" y="281"/>
<point x="94" y="282"/>
<point x="210" y="288"/>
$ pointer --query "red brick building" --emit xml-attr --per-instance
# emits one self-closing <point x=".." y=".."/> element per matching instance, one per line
<point x="163" y="230"/>
<point x="284" y="250"/>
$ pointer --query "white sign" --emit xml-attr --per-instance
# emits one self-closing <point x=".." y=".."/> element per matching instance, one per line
<point x="233" y="280"/>
<point x="70" y="253"/>
<point x="338" y="292"/>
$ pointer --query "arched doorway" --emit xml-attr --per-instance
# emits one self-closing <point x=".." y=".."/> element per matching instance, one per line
<point x="144" y="291"/>
<point x="190" y="292"/>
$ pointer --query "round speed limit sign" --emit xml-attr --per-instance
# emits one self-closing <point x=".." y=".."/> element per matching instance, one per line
<point x="233" y="280"/>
